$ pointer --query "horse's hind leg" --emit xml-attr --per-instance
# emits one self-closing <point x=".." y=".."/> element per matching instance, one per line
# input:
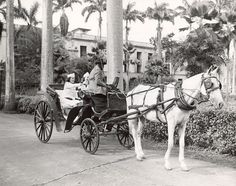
<point x="171" y="128"/>
<point x="181" y="147"/>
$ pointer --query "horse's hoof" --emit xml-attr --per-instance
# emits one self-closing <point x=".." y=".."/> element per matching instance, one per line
<point x="139" y="158"/>
<point x="143" y="156"/>
<point x="168" y="167"/>
<point x="185" y="168"/>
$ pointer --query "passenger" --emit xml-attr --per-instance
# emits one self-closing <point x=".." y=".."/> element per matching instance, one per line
<point x="70" y="87"/>
<point x="70" y="97"/>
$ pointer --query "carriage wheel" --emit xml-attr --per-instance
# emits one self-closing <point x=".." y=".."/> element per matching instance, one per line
<point x="124" y="137"/>
<point x="43" y="121"/>
<point x="89" y="135"/>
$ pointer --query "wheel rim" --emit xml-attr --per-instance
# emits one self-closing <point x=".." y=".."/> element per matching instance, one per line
<point x="123" y="135"/>
<point x="43" y="121"/>
<point x="89" y="135"/>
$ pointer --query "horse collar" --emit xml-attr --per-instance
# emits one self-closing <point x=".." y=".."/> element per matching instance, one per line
<point x="180" y="101"/>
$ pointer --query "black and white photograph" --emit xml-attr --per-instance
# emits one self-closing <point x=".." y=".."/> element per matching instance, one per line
<point x="117" y="92"/>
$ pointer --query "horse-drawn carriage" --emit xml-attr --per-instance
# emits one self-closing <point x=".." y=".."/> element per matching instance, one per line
<point x="171" y="104"/>
<point x="49" y="112"/>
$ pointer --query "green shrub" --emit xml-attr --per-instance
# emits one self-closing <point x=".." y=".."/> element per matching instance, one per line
<point x="26" y="104"/>
<point x="213" y="130"/>
<point x="156" y="132"/>
<point x="210" y="129"/>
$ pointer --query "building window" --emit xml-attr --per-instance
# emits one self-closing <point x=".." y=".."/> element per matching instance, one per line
<point x="149" y="56"/>
<point x="83" y="51"/>
<point x="180" y="80"/>
<point x="139" y="54"/>
<point x="139" y="68"/>
<point x="167" y="67"/>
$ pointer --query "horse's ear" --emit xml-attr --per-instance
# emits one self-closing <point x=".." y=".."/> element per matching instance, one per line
<point x="216" y="70"/>
<point x="210" y="69"/>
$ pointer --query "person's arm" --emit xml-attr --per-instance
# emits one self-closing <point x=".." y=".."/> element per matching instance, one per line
<point x="100" y="81"/>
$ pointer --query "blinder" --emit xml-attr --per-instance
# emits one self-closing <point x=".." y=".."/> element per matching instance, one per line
<point x="209" y="85"/>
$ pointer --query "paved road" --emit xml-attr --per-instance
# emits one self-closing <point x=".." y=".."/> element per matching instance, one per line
<point x="62" y="162"/>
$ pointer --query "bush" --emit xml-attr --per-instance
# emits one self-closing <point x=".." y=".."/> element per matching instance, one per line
<point x="213" y="130"/>
<point x="26" y="104"/>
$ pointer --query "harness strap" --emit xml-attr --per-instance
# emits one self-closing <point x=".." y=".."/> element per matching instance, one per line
<point x="144" y="98"/>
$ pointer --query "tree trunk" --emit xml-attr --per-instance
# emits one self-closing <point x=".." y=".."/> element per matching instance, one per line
<point x="10" y="103"/>
<point x="127" y="56"/>
<point x="100" y="26"/>
<point x="159" y="45"/>
<point x="115" y="41"/>
<point x="227" y="76"/>
<point x="47" y="49"/>
<point x="234" y="66"/>
<point x="126" y="32"/>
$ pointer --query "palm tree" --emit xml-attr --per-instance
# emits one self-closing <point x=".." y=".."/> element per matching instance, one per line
<point x="128" y="50"/>
<point x="29" y="16"/>
<point x="115" y="41"/>
<point x="160" y="13"/>
<point x="227" y="33"/>
<point x="98" y="6"/>
<point x="130" y="15"/>
<point x="3" y="14"/>
<point x="47" y="49"/>
<point x="10" y="66"/>
<point x="61" y="5"/>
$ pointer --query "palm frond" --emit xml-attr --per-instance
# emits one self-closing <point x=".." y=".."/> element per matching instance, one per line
<point x="33" y="10"/>
<point x="87" y="17"/>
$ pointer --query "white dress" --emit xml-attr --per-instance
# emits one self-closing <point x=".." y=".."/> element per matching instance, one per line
<point x="69" y="97"/>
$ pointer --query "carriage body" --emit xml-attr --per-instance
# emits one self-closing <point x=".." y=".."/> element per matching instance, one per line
<point x="49" y="113"/>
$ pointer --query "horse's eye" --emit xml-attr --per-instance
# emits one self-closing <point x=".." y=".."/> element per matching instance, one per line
<point x="208" y="84"/>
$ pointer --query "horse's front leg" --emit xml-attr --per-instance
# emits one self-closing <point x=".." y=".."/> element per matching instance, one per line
<point x="133" y="127"/>
<point x="171" y="128"/>
<point x="181" y="147"/>
<point x="139" y="134"/>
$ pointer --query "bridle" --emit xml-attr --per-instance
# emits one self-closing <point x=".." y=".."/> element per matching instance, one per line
<point x="209" y="85"/>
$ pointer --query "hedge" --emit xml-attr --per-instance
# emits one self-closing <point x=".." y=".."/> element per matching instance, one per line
<point x="26" y="104"/>
<point x="213" y="130"/>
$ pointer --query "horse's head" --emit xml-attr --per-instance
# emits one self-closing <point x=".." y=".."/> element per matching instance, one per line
<point x="211" y="87"/>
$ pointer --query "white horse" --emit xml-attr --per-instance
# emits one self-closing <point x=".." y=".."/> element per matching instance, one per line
<point x="178" y="101"/>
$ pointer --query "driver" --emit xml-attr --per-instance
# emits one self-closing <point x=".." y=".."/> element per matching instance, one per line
<point x="97" y="86"/>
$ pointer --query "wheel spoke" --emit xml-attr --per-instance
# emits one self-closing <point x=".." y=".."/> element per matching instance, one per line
<point x="40" y="132"/>
<point x="86" y="139"/>
<point x="90" y="145"/>
<point x="43" y="134"/>
<point x="87" y="144"/>
<point x="125" y="140"/>
<point x="39" y="114"/>
<point x="47" y="113"/>
<point x="40" y="125"/>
